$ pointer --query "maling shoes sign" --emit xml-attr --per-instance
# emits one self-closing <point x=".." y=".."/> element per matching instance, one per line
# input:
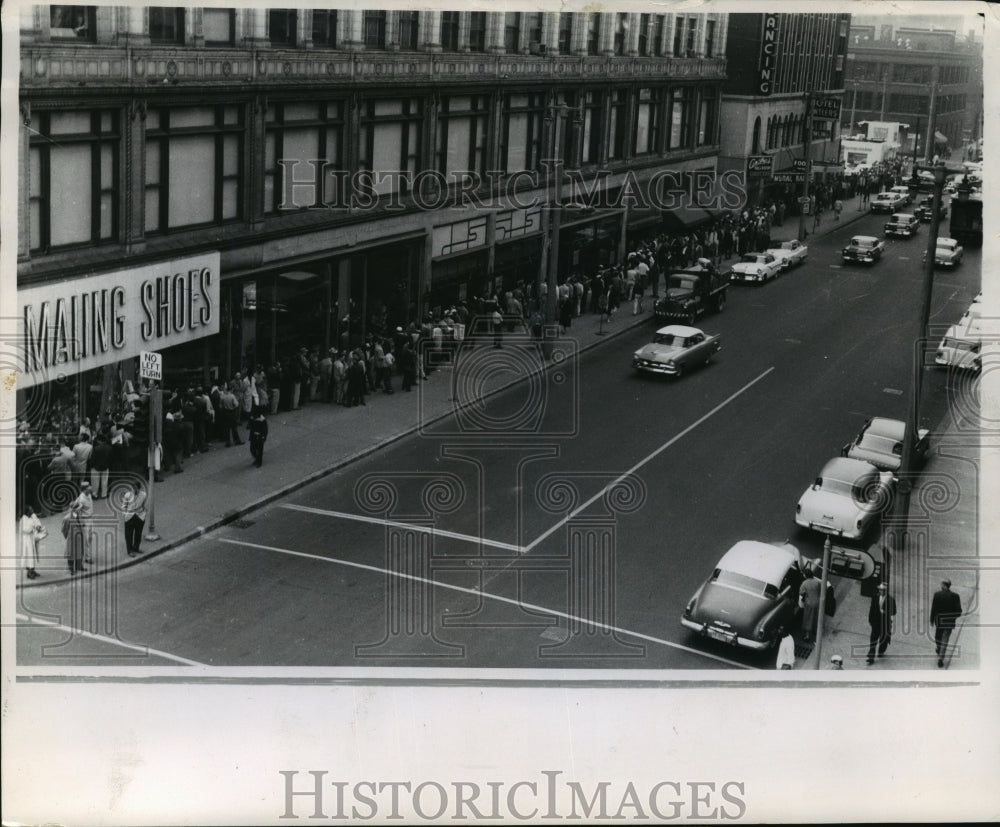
<point x="78" y="325"/>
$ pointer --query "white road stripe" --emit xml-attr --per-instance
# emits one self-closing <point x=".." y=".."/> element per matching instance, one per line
<point x="642" y="462"/>
<point x="51" y="624"/>
<point x="490" y="596"/>
<point x="437" y="532"/>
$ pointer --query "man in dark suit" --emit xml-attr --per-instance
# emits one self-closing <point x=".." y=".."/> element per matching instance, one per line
<point x="946" y="605"/>
<point x="881" y="611"/>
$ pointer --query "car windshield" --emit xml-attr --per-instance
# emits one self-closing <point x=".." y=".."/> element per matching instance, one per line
<point x="750" y="258"/>
<point x="863" y="242"/>
<point x="879" y="444"/>
<point x="668" y="339"/>
<point x="743" y="581"/>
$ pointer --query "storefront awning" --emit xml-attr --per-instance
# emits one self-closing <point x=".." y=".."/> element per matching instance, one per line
<point x="686" y="218"/>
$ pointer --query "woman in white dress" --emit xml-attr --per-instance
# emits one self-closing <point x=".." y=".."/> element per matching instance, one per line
<point x="32" y="531"/>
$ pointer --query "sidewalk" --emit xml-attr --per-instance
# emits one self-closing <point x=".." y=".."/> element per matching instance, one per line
<point x="222" y="485"/>
<point x="942" y="518"/>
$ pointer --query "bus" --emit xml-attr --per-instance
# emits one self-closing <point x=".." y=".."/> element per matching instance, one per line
<point x="967" y="220"/>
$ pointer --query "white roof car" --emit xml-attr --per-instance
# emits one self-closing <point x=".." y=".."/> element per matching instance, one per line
<point x="948" y="252"/>
<point x="789" y="253"/>
<point x="845" y="498"/>
<point x="880" y="442"/>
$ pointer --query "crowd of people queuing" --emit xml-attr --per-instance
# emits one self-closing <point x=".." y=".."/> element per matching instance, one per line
<point x="73" y="452"/>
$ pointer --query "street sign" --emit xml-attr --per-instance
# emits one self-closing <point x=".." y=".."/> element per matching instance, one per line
<point x="151" y="365"/>
<point x="826" y="109"/>
<point x="800" y="165"/>
<point x="759" y="164"/>
<point x="788" y="177"/>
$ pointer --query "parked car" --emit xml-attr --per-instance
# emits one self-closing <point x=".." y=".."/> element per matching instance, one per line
<point x="880" y="442"/>
<point x="961" y="348"/>
<point x="863" y="248"/>
<point x="789" y="253"/>
<point x="887" y="202"/>
<point x="675" y="349"/>
<point x="752" y="594"/>
<point x="903" y="225"/>
<point x="947" y="253"/>
<point x="925" y="209"/>
<point x="845" y="498"/>
<point x="756" y="268"/>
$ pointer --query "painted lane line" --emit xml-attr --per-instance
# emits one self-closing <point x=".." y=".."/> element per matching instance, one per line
<point x="51" y="624"/>
<point x="489" y="595"/>
<point x="381" y="521"/>
<point x="582" y="507"/>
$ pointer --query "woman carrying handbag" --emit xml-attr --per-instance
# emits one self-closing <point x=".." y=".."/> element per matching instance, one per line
<point x="32" y="532"/>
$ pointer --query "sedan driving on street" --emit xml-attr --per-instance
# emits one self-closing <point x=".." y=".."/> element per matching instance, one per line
<point x="789" y="253"/>
<point x="756" y="268"/>
<point x="887" y="202"/>
<point x="947" y="253"/>
<point x="902" y="225"/>
<point x="676" y="348"/>
<point x="880" y="442"/>
<point x="864" y="248"/>
<point x="925" y="210"/>
<point x="845" y="498"/>
<point x="751" y="595"/>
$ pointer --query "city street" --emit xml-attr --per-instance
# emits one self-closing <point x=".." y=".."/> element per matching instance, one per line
<point x="667" y="473"/>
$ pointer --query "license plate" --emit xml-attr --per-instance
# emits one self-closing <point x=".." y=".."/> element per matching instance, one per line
<point x="719" y="634"/>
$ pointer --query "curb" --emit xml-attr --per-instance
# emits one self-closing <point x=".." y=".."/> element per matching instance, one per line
<point x="270" y="497"/>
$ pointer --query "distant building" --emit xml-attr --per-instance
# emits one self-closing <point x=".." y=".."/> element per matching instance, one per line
<point x="922" y="70"/>
<point x="776" y="64"/>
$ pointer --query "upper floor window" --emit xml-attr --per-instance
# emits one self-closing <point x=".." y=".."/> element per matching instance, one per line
<point x="565" y="32"/>
<point x="521" y="131"/>
<point x="461" y="135"/>
<point x="391" y="145"/>
<point x="282" y="25"/>
<point x="709" y="38"/>
<point x="593" y="33"/>
<point x="648" y="114"/>
<point x="324" y="28"/>
<point x="477" y="31"/>
<point x="621" y="32"/>
<point x="218" y="26"/>
<point x="303" y="155"/>
<point x="692" y="31"/>
<point x="659" y="22"/>
<point x="449" y="30"/>
<point x="511" y="31"/>
<point x="73" y="181"/>
<point x="374" y="29"/>
<point x="592" y="128"/>
<point x="534" y="24"/>
<point x="409" y="22"/>
<point x="166" y="24"/>
<point x="72" y="22"/>
<point x="643" y="44"/>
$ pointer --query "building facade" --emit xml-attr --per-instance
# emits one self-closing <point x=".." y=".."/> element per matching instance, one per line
<point x="779" y="67"/>
<point x="924" y="71"/>
<point x="328" y="159"/>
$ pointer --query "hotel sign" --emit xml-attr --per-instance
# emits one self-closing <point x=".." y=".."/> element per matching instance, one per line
<point x="768" y="55"/>
<point x="78" y="325"/>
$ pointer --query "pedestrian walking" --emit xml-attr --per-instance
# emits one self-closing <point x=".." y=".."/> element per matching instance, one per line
<point x="134" y="515"/>
<point x="79" y="531"/>
<point x="32" y="532"/>
<point x="228" y="414"/>
<point x="497" y="321"/>
<point x="339" y="378"/>
<point x="786" y="650"/>
<point x="258" y="435"/>
<point x="838" y="207"/>
<point x="946" y="608"/>
<point x="100" y="467"/>
<point x="809" y="592"/>
<point x="637" y="291"/>
<point x="881" y="611"/>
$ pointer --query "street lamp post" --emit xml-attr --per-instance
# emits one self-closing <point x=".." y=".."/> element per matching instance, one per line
<point x="807" y="141"/>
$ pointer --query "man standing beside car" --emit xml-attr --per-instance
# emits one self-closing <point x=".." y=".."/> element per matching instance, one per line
<point x="881" y="611"/>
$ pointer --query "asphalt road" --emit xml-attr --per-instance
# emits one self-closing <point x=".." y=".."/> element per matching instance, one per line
<point x="594" y="496"/>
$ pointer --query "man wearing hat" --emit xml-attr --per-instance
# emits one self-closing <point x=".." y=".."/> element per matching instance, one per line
<point x="881" y="611"/>
<point x="946" y="606"/>
<point x="81" y="528"/>
<point x="836" y="662"/>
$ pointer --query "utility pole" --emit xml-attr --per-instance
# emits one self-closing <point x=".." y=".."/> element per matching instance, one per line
<point x="930" y="143"/>
<point x="854" y="104"/>
<point x="821" y="617"/>
<point x="807" y="141"/>
<point x="885" y="84"/>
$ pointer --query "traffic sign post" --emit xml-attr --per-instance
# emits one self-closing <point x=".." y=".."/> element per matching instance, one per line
<point x="155" y="420"/>
<point x="151" y="365"/>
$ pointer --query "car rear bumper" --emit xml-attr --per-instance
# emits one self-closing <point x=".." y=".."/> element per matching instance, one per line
<point x="732" y="638"/>
<point x="828" y="529"/>
<point x="901" y="233"/>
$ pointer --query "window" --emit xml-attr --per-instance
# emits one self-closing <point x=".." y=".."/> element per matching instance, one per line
<point x="374" y="29"/>
<point x="390" y="140"/>
<point x="621" y="32"/>
<point x="166" y="24"/>
<point x="593" y="33"/>
<point x="647" y="121"/>
<point x="689" y="42"/>
<point x="591" y="132"/>
<point x="643" y="35"/>
<point x="409" y="28"/>
<point x="281" y="26"/>
<point x="617" y="125"/>
<point x="477" y="31"/>
<point x="709" y="38"/>
<point x="678" y="50"/>
<point x="565" y="32"/>
<point x="679" y="134"/>
<point x="755" y="143"/>
<point x="73" y="23"/>
<point x="193" y="157"/>
<point x="218" y="26"/>
<point x="324" y="29"/>
<point x="73" y="182"/>
<point x="535" y="27"/>
<point x="522" y="131"/>
<point x="309" y="138"/>
<point x="462" y="131"/>
<point x="449" y="30"/>
<point x="511" y="31"/>
<point x="659" y="21"/>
